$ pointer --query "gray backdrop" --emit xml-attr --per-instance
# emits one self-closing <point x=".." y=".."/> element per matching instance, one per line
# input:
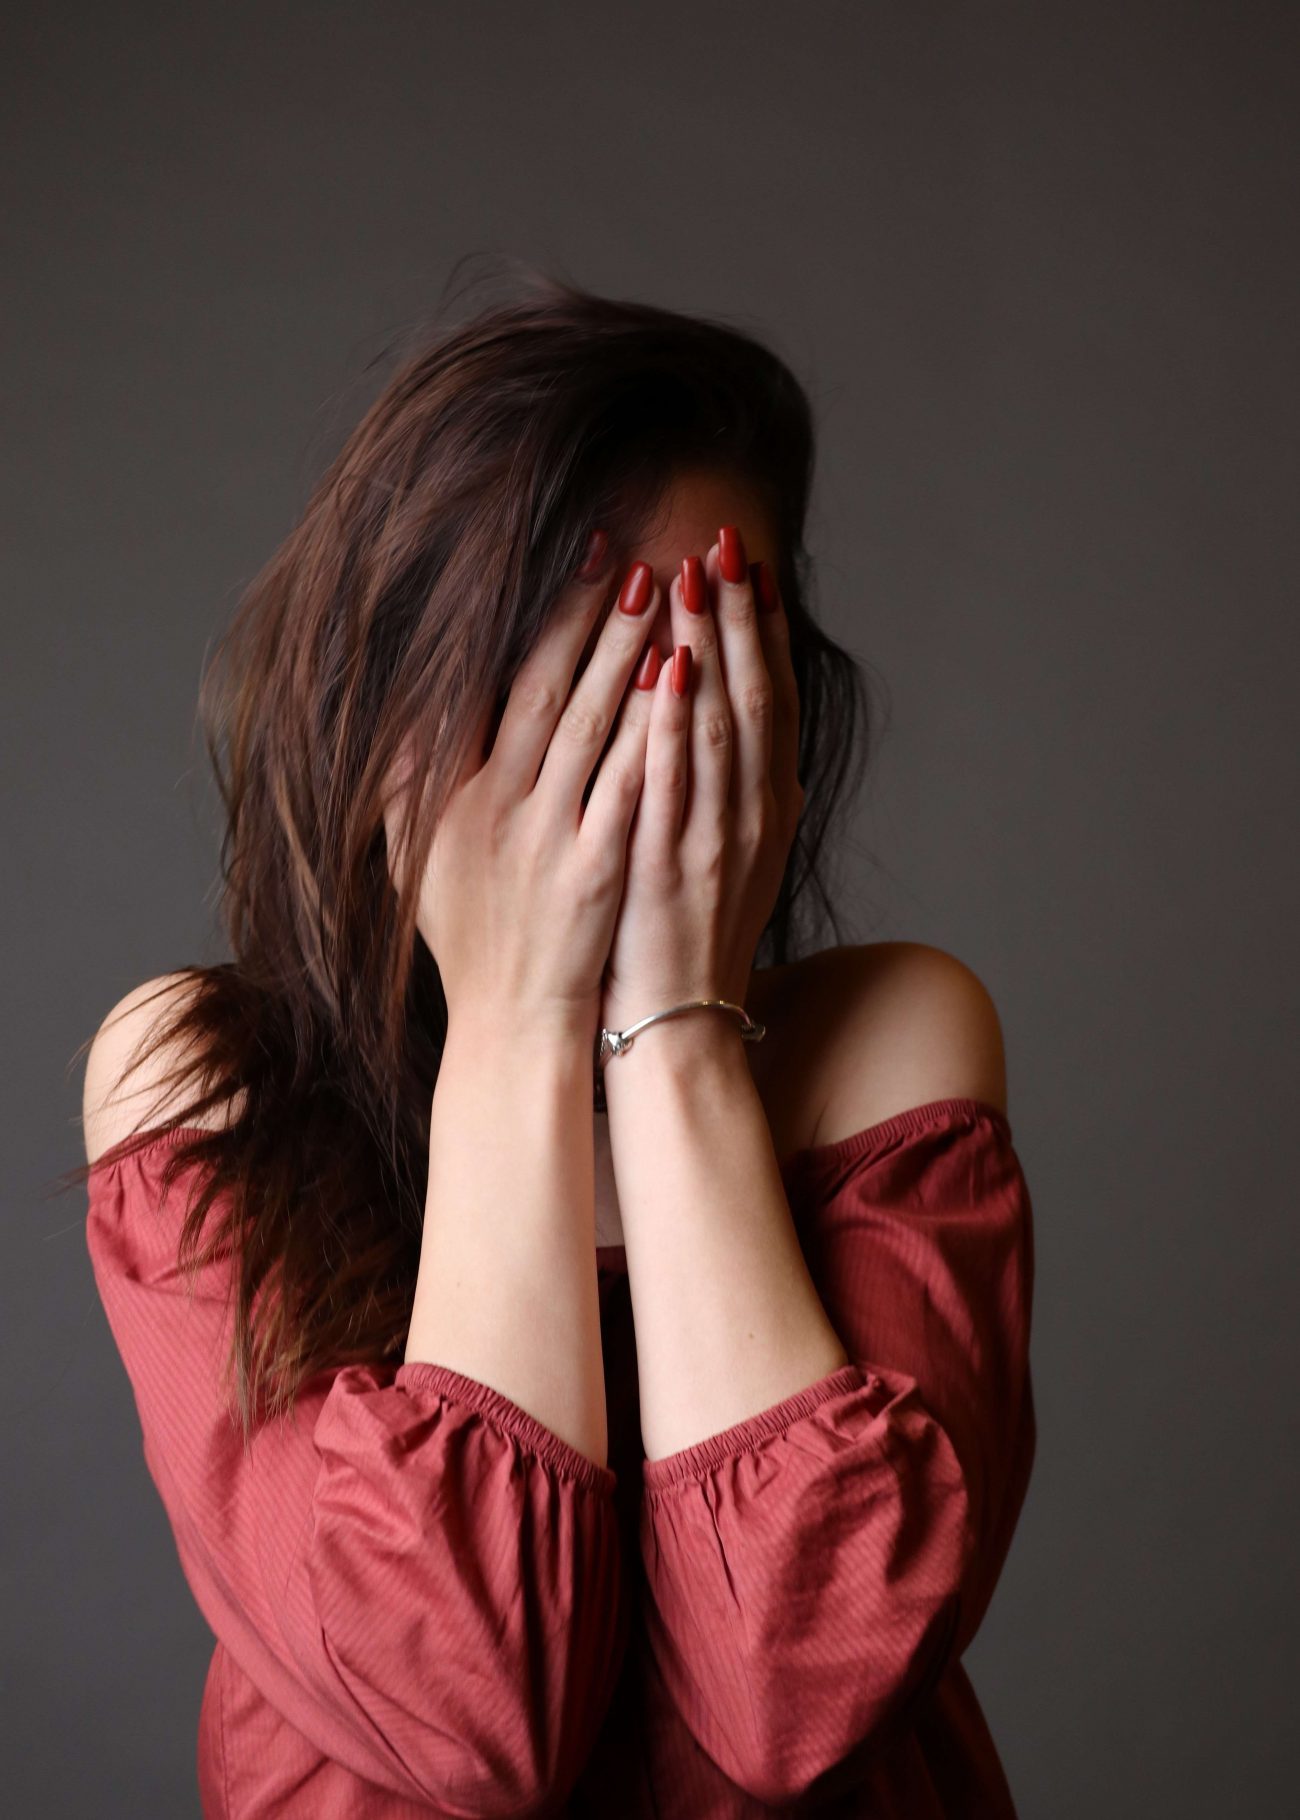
<point x="1036" y="266"/>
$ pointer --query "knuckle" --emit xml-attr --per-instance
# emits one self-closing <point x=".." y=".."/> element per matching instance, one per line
<point x="711" y="864"/>
<point x="537" y="695"/>
<point x="754" y="826"/>
<point x="599" y="870"/>
<point x="716" y="729"/>
<point x="737" y="609"/>
<point x="589" y="883"/>
<point x="667" y="773"/>
<point x="756" y="701"/>
<point x="623" y="780"/>
<point x="619" y="778"/>
<point x="582" y="725"/>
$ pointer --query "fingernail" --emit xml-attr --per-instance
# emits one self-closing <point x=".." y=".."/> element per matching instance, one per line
<point x="635" y="594"/>
<point x="695" y="586"/>
<point x="681" y="676"/>
<point x="648" y="674"/>
<point x="731" y="554"/>
<point x="764" y="587"/>
<point x="594" y="556"/>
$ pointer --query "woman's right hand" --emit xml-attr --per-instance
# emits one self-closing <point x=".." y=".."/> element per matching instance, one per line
<point x="521" y="892"/>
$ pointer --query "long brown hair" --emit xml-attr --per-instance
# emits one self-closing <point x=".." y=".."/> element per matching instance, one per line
<point x="421" y="573"/>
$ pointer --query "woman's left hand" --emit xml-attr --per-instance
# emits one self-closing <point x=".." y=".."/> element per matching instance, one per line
<point x="720" y="800"/>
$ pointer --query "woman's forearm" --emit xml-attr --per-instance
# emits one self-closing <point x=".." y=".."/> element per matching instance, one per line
<point x="507" y="1290"/>
<point x="728" y="1320"/>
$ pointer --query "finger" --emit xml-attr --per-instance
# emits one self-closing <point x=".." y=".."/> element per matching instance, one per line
<point x="749" y="687"/>
<point x="711" y="731"/>
<point x="619" y="781"/>
<point x="590" y="712"/>
<point x="774" y="633"/>
<point x="542" y="683"/>
<point x="667" y="763"/>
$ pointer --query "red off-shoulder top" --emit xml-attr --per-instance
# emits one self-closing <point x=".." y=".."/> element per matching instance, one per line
<point x="426" y="1603"/>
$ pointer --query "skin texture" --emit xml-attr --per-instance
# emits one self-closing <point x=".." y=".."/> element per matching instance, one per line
<point x="648" y="895"/>
<point x="519" y="938"/>
<point x="718" y="797"/>
<point x="721" y="800"/>
<point x="728" y="1321"/>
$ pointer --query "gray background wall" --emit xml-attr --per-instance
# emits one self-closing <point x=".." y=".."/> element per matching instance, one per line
<point x="1037" y="267"/>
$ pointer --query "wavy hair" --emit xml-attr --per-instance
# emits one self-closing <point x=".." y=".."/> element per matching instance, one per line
<point x="419" y="576"/>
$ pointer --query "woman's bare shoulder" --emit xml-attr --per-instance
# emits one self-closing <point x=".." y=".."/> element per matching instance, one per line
<point x="114" y="1108"/>
<point x="871" y="1029"/>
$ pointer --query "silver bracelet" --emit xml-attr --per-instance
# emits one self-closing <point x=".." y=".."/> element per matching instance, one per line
<point x="618" y="1042"/>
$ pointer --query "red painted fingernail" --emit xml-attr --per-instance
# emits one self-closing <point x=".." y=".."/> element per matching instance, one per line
<point x="731" y="554"/>
<point x="681" y="676"/>
<point x="648" y="675"/>
<point x="635" y="595"/>
<point x="593" y="560"/>
<point x="765" y="587"/>
<point x="695" y="585"/>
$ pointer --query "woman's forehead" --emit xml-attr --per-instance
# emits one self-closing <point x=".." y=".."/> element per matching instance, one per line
<point x="686" y="523"/>
<point x="694" y="507"/>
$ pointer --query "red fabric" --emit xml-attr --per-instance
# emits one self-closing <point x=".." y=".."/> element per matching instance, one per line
<point x="426" y="1603"/>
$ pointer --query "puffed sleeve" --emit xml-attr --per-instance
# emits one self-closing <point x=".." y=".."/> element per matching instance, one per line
<point x="418" y="1574"/>
<point x="813" y="1570"/>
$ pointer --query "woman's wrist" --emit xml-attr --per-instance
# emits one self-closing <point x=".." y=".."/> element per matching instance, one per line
<point x="501" y="1023"/>
<point x="506" y="1291"/>
<point x="696" y="1040"/>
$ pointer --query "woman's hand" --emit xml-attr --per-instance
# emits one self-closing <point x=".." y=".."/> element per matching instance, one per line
<point x="522" y="886"/>
<point x="721" y="798"/>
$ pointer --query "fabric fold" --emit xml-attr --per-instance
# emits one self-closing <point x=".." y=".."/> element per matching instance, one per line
<point x="422" y="1578"/>
<point x="813" y="1570"/>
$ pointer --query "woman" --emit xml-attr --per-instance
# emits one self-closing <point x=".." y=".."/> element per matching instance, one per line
<point x="523" y="1457"/>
